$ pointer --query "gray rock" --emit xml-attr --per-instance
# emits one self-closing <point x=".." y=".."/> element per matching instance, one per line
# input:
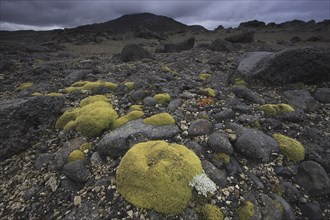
<point x="247" y="94"/>
<point x="244" y="37"/>
<point x="76" y="171"/>
<point x="149" y="101"/>
<point x="200" y="127"/>
<point x="138" y="95"/>
<point x="75" y="75"/>
<point x="223" y="115"/>
<point x="174" y="104"/>
<point x="256" y="181"/>
<point x="239" y="106"/>
<point x="196" y="147"/>
<point x="22" y="120"/>
<point x="219" y="143"/>
<point x="316" y="143"/>
<point x="322" y="95"/>
<point x="190" y="214"/>
<point x="313" y="178"/>
<point x="290" y="192"/>
<point x="96" y="159"/>
<point x="218" y="176"/>
<point x="312" y="211"/>
<point x="255" y="144"/>
<point x="86" y="210"/>
<point x="308" y="65"/>
<point x="287" y="209"/>
<point x="41" y="160"/>
<point x="178" y="47"/>
<point x="133" y="52"/>
<point x="301" y="99"/>
<point x="117" y="142"/>
<point x="221" y="45"/>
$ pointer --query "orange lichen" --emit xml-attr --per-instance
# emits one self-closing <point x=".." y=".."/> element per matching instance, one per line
<point x="205" y="101"/>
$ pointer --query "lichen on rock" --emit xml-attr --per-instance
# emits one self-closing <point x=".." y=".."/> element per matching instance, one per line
<point x="76" y="155"/>
<point x="156" y="175"/>
<point x="160" y="119"/>
<point x="162" y="98"/>
<point x="274" y="109"/>
<point x="290" y="148"/>
<point x="208" y="91"/>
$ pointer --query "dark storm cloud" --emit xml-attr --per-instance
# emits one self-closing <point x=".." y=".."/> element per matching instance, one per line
<point x="71" y="13"/>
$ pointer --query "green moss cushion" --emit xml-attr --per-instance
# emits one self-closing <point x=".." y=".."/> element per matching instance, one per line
<point x="156" y="175"/>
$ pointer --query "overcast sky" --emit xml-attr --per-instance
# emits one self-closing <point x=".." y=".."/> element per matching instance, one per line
<point x="51" y="14"/>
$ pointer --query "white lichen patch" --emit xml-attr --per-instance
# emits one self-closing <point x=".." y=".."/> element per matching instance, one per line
<point x="203" y="184"/>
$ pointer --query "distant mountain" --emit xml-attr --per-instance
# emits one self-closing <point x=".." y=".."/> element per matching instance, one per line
<point x="152" y="22"/>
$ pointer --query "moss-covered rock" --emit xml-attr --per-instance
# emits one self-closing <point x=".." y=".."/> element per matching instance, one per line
<point x="86" y="85"/>
<point x="156" y="175"/>
<point x="210" y="212"/>
<point x="208" y="92"/>
<point x="126" y="118"/>
<point x="76" y="155"/>
<point x="274" y="109"/>
<point x="25" y="86"/>
<point x="91" y="119"/>
<point x="129" y="85"/>
<point x="238" y="81"/>
<point x="135" y="108"/>
<point x="290" y="148"/>
<point x="205" y="76"/>
<point x="221" y="157"/>
<point x="160" y="119"/>
<point x="54" y="94"/>
<point x="246" y="212"/>
<point x="166" y="69"/>
<point x="86" y="146"/>
<point x="162" y="98"/>
<point x="94" y="98"/>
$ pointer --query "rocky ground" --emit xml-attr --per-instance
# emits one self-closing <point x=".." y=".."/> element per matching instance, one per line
<point x="215" y="99"/>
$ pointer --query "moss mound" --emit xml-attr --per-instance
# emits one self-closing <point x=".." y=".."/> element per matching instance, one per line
<point x="160" y="119"/>
<point x="210" y="212"/>
<point x="135" y="108"/>
<point x="76" y="155"/>
<point x="54" y="94"/>
<point x="25" y="86"/>
<point x="129" y="85"/>
<point x="162" y="98"/>
<point x="126" y="118"/>
<point x="86" y="85"/>
<point x="290" y="148"/>
<point x="274" y="109"/>
<point x="208" y="91"/>
<point x="86" y="146"/>
<point x="204" y="76"/>
<point x="91" y="119"/>
<point x="95" y="98"/>
<point x="156" y="175"/>
<point x="246" y="212"/>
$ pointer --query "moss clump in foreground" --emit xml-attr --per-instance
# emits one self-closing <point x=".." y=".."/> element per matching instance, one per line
<point x="160" y="120"/>
<point x="156" y="175"/>
<point x="162" y="98"/>
<point x="274" y="109"/>
<point x="86" y="85"/>
<point x="246" y="212"/>
<point x="76" y="155"/>
<point x="91" y="119"/>
<point x="208" y="92"/>
<point x="290" y="148"/>
<point x="210" y="212"/>
<point x="126" y="118"/>
<point x="25" y="86"/>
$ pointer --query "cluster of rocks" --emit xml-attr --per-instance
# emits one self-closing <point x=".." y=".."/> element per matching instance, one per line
<point x="218" y="98"/>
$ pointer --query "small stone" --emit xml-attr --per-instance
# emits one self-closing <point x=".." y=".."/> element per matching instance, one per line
<point x="200" y="127"/>
<point x="77" y="200"/>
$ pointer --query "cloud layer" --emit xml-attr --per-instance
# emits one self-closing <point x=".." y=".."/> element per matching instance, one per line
<point x="49" y="14"/>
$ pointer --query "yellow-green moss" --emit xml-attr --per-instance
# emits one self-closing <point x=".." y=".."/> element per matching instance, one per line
<point x="135" y="108"/>
<point x="76" y="155"/>
<point x="129" y="85"/>
<point x="94" y="98"/>
<point x="290" y="148"/>
<point x="126" y="118"/>
<point x="86" y="146"/>
<point x="210" y="212"/>
<point x="166" y="69"/>
<point x="37" y="94"/>
<point x="90" y="120"/>
<point x="204" y="76"/>
<point x="246" y="212"/>
<point x="160" y="119"/>
<point x="221" y="157"/>
<point x="274" y="109"/>
<point x="279" y="206"/>
<point x="2" y="76"/>
<point x="162" y="98"/>
<point x="240" y="82"/>
<point x="208" y="91"/>
<point x="156" y="175"/>
<point x="25" y="86"/>
<point x="54" y="94"/>
<point x="86" y="85"/>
